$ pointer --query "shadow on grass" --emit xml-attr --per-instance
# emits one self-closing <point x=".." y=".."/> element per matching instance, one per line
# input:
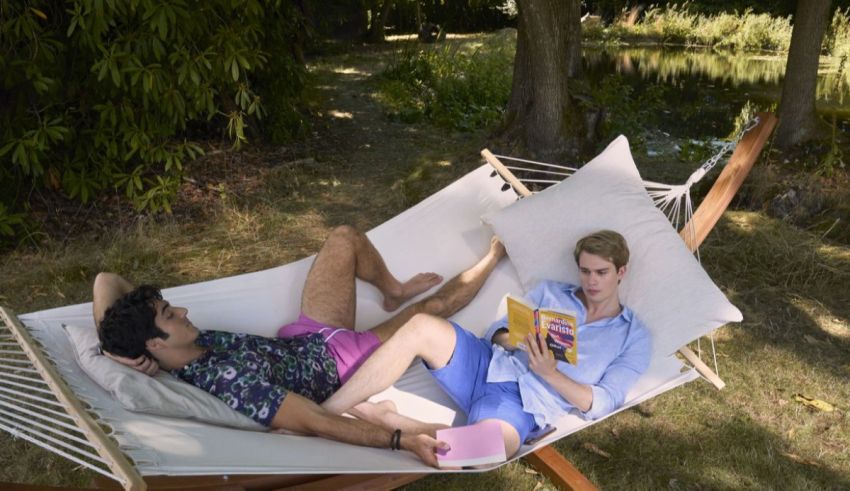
<point x="790" y="286"/>
<point x="732" y="454"/>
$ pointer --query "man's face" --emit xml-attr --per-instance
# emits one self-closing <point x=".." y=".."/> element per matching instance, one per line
<point x="175" y="322"/>
<point x="599" y="278"/>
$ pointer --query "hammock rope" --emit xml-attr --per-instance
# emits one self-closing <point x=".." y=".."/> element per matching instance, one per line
<point x="31" y="412"/>
<point x="674" y="200"/>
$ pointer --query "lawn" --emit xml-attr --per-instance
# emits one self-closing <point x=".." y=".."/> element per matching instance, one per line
<point x="252" y="210"/>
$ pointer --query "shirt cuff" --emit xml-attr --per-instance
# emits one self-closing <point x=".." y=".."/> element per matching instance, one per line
<point x="600" y="406"/>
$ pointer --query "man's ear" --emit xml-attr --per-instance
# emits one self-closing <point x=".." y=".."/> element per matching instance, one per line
<point x="155" y="344"/>
<point x="621" y="272"/>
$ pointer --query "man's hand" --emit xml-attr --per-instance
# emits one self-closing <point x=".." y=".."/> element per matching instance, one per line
<point x="301" y="415"/>
<point x="143" y="364"/>
<point x="540" y="359"/>
<point x="424" y="447"/>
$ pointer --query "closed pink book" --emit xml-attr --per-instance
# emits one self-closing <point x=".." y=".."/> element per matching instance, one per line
<point x="477" y="444"/>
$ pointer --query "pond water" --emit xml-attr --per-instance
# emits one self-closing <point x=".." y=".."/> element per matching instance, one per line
<point x="704" y="90"/>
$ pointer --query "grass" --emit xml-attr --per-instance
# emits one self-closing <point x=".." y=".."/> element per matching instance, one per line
<point x="790" y="284"/>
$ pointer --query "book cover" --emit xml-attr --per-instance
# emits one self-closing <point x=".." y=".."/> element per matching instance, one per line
<point x="558" y="327"/>
<point x="477" y="444"/>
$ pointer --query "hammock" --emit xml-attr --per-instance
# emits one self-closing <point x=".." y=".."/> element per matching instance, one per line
<point x="39" y="402"/>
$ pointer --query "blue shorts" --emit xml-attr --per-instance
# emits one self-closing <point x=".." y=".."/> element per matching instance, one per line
<point x="464" y="378"/>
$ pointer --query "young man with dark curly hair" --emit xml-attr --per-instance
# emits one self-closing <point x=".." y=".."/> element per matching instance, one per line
<point x="280" y="381"/>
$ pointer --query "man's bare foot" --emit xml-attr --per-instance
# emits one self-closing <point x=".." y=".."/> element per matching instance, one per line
<point x="497" y="249"/>
<point x="409" y="289"/>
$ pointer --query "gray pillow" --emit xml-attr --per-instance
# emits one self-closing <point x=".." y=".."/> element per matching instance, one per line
<point x="163" y="394"/>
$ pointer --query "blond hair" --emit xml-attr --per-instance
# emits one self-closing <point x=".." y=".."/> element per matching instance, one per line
<point x="606" y="244"/>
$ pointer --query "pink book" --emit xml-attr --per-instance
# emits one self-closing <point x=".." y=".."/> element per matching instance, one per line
<point x="478" y="444"/>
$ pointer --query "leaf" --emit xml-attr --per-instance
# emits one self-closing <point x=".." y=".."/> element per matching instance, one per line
<point x="810" y="339"/>
<point x="800" y="460"/>
<point x="39" y="13"/>
<point x="72" y="27"/>
<point x="598" y="451"/>
<point x="7" y="147"/>
<point x="814" y="403"/>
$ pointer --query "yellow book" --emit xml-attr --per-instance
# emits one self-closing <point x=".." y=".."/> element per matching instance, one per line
<point x="559" y="328"/>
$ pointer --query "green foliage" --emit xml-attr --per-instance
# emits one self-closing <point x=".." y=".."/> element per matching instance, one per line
<point x="837" y="38"/>
<point x="449" y="86"/>
<point x="10" y="223"/>
<point x="686" y="25"/>
<point x="627" y="111"/>
<point x="98" y="95"/>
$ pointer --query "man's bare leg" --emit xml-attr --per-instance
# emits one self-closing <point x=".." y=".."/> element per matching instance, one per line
<point x="430" y="338"/>
<point x="329" y="294"/>
<point x="451" y="297"/>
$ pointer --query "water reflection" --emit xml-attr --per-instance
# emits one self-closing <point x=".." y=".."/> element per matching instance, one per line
<point x="728" y="77"/>
<point x="672" y="65"/>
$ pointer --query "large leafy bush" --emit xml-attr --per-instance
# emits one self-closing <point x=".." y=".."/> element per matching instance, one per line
<point x="102" y="94"/>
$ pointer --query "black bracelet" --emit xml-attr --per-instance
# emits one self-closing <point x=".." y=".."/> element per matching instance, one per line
<point x="395" y="440"/>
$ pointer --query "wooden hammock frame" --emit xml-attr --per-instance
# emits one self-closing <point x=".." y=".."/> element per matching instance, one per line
<point x="546" y="460"/>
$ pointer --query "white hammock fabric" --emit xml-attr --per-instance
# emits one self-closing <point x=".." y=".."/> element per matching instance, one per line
<point x="442" y="234"/>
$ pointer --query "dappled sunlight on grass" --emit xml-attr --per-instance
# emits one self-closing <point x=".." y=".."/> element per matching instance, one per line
<point x="340" y="114"/>
<point x="823" y="318"/>
<point x="349" y="71"/>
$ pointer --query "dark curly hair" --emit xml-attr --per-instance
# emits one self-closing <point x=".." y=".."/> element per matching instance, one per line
<point x="129" y="323"/>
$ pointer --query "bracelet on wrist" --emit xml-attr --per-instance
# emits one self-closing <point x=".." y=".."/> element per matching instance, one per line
<point x="395" y="440"/>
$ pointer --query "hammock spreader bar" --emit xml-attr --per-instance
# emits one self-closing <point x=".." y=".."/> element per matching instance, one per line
<point x="96" y="451"/>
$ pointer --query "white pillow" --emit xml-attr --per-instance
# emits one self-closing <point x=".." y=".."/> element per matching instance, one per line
<point x="664" y="284"/>
<point x="164" y="394"/>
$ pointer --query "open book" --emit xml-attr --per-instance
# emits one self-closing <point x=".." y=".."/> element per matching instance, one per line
<point x="558" y="327"/>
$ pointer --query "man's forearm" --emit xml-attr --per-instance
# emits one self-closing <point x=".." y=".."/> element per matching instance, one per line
<point x="579" y="395"/>
<point x="304" y="416"/>
<point x="107" y="288"/>
<point x="354" y="431"/>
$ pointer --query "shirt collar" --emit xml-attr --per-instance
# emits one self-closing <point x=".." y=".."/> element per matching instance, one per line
<point x="625" y="314"/>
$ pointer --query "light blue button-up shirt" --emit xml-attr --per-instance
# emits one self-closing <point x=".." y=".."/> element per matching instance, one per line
<point x="612" y="354"/>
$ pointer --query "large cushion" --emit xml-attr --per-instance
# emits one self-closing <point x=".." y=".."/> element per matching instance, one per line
<point x="664" y="284"/>
<point x="162" y="394"/>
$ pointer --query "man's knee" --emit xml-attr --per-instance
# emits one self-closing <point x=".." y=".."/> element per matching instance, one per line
<point x="434" y="305"/>
<point x="422" y="326"/>
<point x="345" y="233"/>
<point x="341" y="242"/>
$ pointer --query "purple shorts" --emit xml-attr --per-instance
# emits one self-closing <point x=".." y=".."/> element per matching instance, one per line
<point x="349" y="348"/>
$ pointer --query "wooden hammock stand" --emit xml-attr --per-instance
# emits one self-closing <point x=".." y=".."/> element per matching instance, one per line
<point x="546" y="460"/>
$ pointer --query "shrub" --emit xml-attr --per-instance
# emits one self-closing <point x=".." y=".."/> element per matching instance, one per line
<point x="98" y="95"/>
<point x="679" y="24"/>
<point x="673" y="24"/>
<point x="450" y="86"/>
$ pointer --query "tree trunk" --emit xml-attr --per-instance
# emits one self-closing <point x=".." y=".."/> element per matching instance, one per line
<point x="541" y="119"/>
<point x="798" y="122"/>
